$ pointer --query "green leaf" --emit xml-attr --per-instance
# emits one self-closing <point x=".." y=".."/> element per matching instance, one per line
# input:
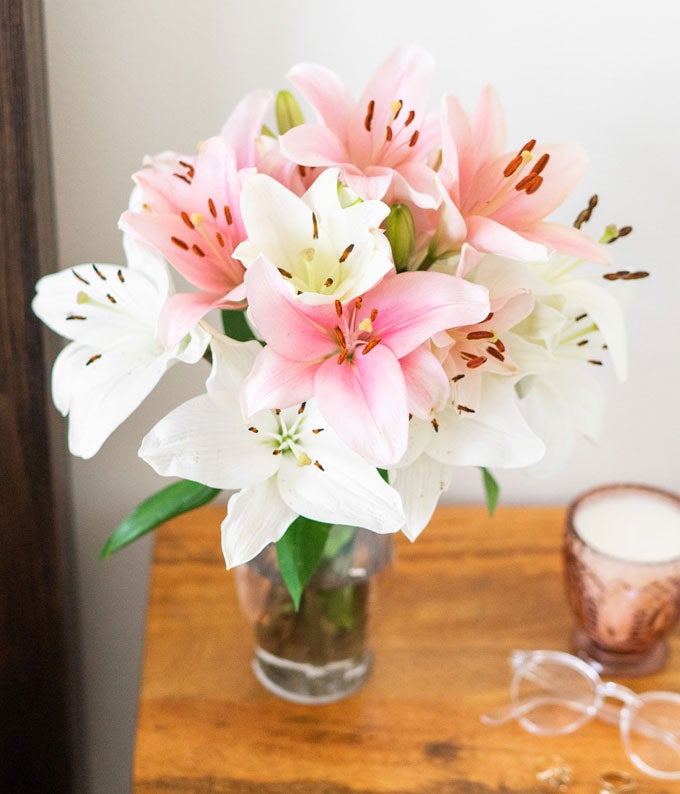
<point x="236" y="326"/>
<point x="492" y="490"/>
<point x="299" y="552"/>
<point x="178" y="498"/>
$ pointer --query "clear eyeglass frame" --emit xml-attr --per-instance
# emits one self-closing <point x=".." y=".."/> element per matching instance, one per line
<point x="555" y="693"/>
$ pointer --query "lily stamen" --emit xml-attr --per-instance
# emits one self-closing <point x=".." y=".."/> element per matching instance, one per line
<point x="370" y="345"/>
<point x="369" y="115"/>
<point x="346" y="253"/>
<point x="340" y="337"/>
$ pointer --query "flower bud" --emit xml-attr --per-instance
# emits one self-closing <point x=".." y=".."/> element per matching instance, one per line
<point x="400" y="231"/>
<point x="288" y="112"/>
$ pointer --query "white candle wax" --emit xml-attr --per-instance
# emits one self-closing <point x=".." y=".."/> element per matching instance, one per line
<point x="633" y="525"/>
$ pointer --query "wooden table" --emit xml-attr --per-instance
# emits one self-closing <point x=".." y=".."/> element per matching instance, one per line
<point x="461" y="598"/>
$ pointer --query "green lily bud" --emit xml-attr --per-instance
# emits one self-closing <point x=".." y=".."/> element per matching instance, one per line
<point x="288" y="112"/>
<point x="400" y="231"/>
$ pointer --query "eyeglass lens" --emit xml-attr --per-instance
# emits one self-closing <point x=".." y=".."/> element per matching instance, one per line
<point x="653" y="735"/>
<point x="561" y="698"/>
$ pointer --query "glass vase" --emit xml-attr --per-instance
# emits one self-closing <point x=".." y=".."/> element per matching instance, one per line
<point x="319" y="653"/>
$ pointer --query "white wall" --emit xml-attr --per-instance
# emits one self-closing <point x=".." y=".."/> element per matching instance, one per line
<point x="129" y="78"/>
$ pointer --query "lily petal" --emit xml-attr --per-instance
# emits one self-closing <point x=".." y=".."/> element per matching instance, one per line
<point x="420" y="485"/>
<point x="208" y="443"/>
<point x="366" y="404"/>
<point x="346" y="491"/>
<point x="496" y="435"/>
<point x="276" y="382"/>
<point x="313" y="145"/>
<point x="568" y="240"/>
<point x="414" y="306"/>
<point x="325" y="92"/>
<point x="243" y="127"/>
<point x="100" y="395"/>
<point x="486" y="234"/>
<point x="426" y="383"/>
<point x="256" y="517"/>
<point x="283" y="322"/>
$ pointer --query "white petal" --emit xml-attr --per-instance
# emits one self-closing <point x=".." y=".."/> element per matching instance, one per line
<point x="95" y="304"/>
<point x="209" y="444"/>
<point x="278" y="222"/>
<point x="347" y="491"/>
<point x="193" y="346"/>
<point x="418" y="438"/>
<point x="101" y="395"/>
<point x="149" y="262"/>
<point x="255" y="517"/>
<point x="559" y="405"/>
<point x="420" y="485"/>
<point x="605" y="311"/>
<point x="232" y="362"/>
<point x="496" y="435"/>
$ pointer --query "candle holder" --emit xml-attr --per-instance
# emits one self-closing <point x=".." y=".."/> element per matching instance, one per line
<point x="622" y="574"/>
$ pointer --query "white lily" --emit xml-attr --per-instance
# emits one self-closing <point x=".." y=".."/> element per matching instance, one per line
<point x="286" y="463"/>
<point x="573" y="321"/>
<point x="494" y="434"/>
<point x="115" y="358"/>
<point x="324" y="249"/>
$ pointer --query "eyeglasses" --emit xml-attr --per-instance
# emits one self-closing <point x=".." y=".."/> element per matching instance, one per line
<point x="555" y="693"/>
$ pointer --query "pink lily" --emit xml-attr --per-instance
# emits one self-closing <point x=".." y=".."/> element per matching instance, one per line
<point x="497" y="201"/>
<point x="381" y="142"/>
<point x="192" y="217"/>
<point x="362" y="359"/>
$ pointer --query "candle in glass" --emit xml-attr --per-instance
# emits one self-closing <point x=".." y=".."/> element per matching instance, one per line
<point x="622" y="570"/>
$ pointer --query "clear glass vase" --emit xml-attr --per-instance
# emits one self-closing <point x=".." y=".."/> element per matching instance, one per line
<point x="318" y="654"/>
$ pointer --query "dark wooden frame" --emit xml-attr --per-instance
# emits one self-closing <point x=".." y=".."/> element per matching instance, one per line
<point x="36" y="673"/>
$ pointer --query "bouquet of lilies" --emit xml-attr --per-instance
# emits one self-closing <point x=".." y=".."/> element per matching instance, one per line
<point x="394" y="304"/>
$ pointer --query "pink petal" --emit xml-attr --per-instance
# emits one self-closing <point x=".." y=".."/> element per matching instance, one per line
<point x="163" y="191"/>
<point x="364" y="400"/>
<point x="568" y="240"/>
<point x="180" y="314"/>
<point x="414" y="306"/>
<point x="312" y="144"/>
<point x="276" y="382"/>
<point x="244" y="126"/>
<point x="407" y="76"/>
<point x="292" y="329"/>
<point x="469" y="258"/>
<point x="326" y="93"/>
<point x="415" y="182"/>
<point x="452" y="228"/>
<point x="488" y="126"/>
<point x="494" y="238"/>
<point x="426" y="383"/>
<point x="458" y="151"/>
<point x="370" y="185"/>
<point x="216" y="186"/>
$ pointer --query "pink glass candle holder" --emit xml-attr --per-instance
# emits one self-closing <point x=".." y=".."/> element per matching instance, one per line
<point x="622" y="572"/>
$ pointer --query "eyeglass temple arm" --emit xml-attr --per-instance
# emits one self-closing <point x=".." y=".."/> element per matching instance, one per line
<point x="513" y="711"/>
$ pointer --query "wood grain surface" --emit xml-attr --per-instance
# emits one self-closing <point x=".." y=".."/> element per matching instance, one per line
<point x="458" y="600"/>
<point x="35" y="736"/>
